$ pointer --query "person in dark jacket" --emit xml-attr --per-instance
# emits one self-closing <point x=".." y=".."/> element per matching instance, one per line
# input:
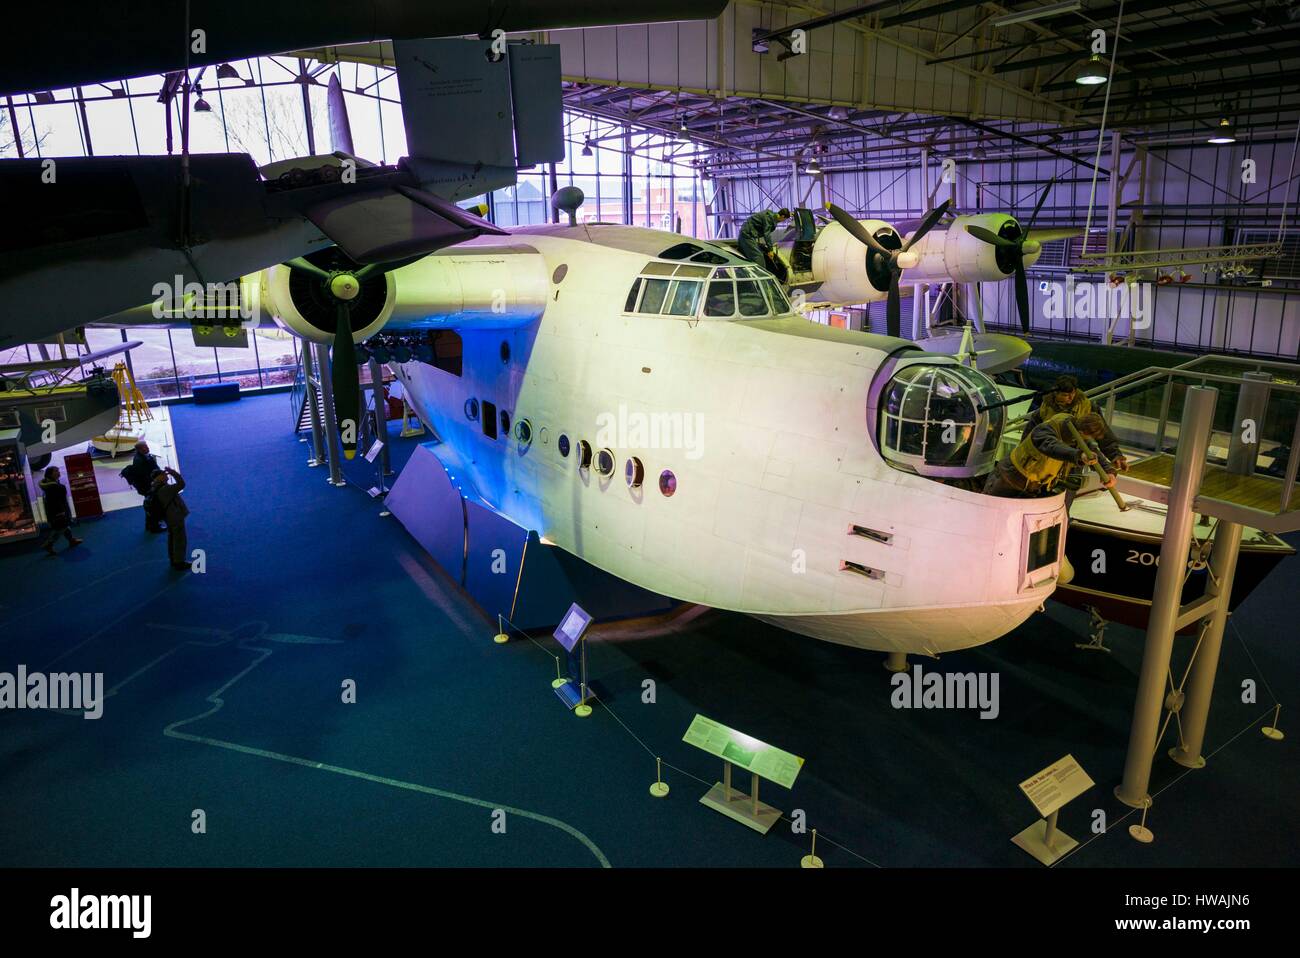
<point x="1066" y="397"/>
<point x="755" y="241"/>
<point x="167" y="495"/>
<point x="1044" y="458"/>
<point x="57" y="511"/>
<point x="139" y="473"/>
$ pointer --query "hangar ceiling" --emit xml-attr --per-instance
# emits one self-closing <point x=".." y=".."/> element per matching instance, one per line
<point x="949" y="75"/>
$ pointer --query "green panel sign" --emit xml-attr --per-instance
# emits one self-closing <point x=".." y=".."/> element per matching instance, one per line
<point x="765" y="761"/>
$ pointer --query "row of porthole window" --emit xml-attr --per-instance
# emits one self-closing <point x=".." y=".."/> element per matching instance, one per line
<point x="633" y="469"/>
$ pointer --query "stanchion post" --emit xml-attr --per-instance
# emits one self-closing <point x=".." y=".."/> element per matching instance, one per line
<point x="500" y="638"/>
<point x="811" y="860"/>
<point x="660" y="788"/>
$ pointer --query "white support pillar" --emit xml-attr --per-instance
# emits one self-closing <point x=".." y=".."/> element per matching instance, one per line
<point x="1189" y="463"/>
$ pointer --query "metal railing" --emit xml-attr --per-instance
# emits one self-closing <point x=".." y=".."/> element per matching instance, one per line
<point x="1141" y="406"/>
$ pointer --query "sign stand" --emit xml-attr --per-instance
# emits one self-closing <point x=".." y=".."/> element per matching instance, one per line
<point x="1049" y="791"/>
<point x="569" y="633"/>
<point x="759" y="758"/>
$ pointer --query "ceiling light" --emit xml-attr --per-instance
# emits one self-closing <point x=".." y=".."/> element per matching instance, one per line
<point x="813" y="168"/>
<point x="226" y="72"/>
<point x="202" y="106"/>
<point x="1225" y="132"/>
<point x="586" y="148"/>
<point x="1091" y="71"/>
<point x="1038" y="13"/>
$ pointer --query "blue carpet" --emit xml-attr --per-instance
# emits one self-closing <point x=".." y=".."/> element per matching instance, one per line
<point x="227" y="697"/>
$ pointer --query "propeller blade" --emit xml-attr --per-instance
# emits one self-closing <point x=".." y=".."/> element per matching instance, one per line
<point x="856" y="229"/>
<point x="1022" y="295"/>
<point x="302" y="265"/>
<point x="894" y="308"/>
<point x="927" y="224"/>
<point x="343" y="375"/>
<point x="1038" y="206"/>
<point x="988" y="236"/>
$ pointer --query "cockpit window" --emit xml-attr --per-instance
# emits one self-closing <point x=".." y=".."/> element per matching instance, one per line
<point x="707" y="256"/>
<point x="722" y="298"/>
<point x="934" y="420"/>
<point x="681" y="251"/>
<point x="776" y="297"/>
<point x="632" y="294"/>
<point x="652" y="300"/>
<point x="750" y="298"/>
<point x="683" y="299"/>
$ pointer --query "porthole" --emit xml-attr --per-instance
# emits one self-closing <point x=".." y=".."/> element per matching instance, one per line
<point x="505" y="351"/>
<point x="667" y="482"/>
<point x="560" y="272"/>
<point x="505" y="423"/>
<point x="634" y="472"/>
<point x="471" y="409"/>
<point x="584" y="454"/>
<point x="605" y="462"/>
<point x="563" y="445"/>
<point x="524" y="432"/>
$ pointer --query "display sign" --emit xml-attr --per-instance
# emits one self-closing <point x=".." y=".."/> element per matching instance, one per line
<point x="571" y="627"/>
<point x="375" y="448"/>
<point x="765" y="761"/>
<point x="1059" y="783"/>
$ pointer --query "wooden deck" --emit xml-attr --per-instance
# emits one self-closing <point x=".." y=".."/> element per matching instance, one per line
<point x="1253" y="492"/>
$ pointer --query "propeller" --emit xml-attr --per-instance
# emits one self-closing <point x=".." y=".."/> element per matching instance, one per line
<point x="1013" y="248"/>
<point x="892" y="260"/>
<point x="347" y="288"/>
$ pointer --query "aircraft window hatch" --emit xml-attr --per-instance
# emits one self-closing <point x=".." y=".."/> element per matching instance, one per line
<point x="862" y="570"/>
<point x="489" y="419"/>
<point x="1043" y="547"/>
<point x="681" y="251"/>
<point x="708" y="257"/>
<point x="658" y="269"/>
<point x="698" y="272"/>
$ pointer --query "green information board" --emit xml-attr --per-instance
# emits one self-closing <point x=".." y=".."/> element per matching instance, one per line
<point x="765" y="761"/>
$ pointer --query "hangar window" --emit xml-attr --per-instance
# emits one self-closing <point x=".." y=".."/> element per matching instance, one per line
<point x="489" y="419"/>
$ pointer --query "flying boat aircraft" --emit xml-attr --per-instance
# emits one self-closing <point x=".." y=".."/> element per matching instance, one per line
<point x="828" y="488"/>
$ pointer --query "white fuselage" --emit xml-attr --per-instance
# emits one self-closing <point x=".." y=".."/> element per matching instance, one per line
<point x="774" y="459"/>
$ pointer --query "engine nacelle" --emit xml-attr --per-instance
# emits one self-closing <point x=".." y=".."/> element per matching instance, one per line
<point x="952" y="254"/>
<point x="843" y="265"/>
<point x="472" y="287"/>
<point x="298" y="304"/>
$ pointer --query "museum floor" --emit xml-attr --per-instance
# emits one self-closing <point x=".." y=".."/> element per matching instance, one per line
<point x="225" y="696"/>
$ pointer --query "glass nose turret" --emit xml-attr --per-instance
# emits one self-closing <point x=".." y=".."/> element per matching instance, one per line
<point x="934" y="420"/>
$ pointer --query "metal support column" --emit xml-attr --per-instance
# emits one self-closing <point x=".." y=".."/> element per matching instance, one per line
<point x="1252" y="403"/>
<point x="916" y="312"/>
<point x="311" y="376"/>
<point x="381" y="413"/>
<point x="331" y="420"/>
<point x="1189" y="464"/>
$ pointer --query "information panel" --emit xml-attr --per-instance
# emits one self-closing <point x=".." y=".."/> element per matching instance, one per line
<point x="765" y="761"/>
<point x="1059" y="783"/>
